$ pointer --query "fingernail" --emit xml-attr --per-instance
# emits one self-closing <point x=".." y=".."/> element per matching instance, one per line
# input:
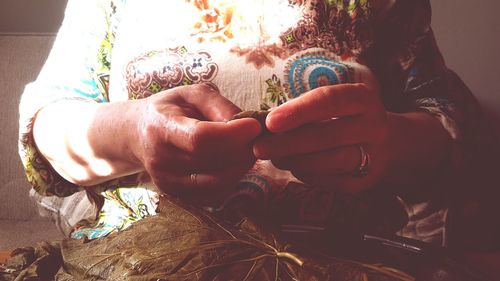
<point x="259" y="152"/>
<point x="273" y="121"/>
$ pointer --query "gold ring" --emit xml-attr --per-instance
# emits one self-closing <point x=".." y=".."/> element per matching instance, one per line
<point x="193" y="177"/>
<point x="363" y="167"/>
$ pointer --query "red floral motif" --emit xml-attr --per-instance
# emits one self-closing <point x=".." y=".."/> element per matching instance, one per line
<point x="332" y="27"/>
<point x="157" y="71"/>
<point x="324" y="25"/>
<point x="214" y="23"/>
<point x="261" y="56"/>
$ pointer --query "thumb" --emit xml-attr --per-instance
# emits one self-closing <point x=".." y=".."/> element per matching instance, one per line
<point x="209" y="102"/>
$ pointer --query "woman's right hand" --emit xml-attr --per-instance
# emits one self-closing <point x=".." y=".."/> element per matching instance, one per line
<point x="186" y="144"/>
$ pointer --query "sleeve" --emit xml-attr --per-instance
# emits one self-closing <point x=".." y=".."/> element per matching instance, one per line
<point x="77" y="68"/>
<point x="414" y="77"/>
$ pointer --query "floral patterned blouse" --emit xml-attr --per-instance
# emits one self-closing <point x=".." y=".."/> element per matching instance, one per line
<point x="260" y="54"/>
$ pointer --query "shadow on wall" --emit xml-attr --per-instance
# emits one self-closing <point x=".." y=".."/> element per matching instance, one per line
<point x="22" y="59"/>
<point x="468" y="33"/>
<point x="28" y="16"/>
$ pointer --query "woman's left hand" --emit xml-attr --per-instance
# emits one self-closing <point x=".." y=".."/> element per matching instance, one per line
<point x="320" y="137"/>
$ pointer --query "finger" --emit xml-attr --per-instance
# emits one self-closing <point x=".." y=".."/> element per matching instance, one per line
<point x="321" y="104"/>
<point x="228" y="157"/>
<point x="178" y="162"/>
<point x="319" y="136"/>
<point x="199" y="182"/>
<point x="209" y="102"/>
<point x="202" y="137"/>
<point x="330" y="162"/>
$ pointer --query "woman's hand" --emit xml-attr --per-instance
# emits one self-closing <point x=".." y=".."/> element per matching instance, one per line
<point x="318" y="137"/>
<point x="186" y="144"/>
<point x="180" y="137"/>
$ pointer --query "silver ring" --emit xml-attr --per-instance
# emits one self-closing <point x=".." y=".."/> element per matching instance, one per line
<point x="193" y="177"/>
<point x="364" y="164"/>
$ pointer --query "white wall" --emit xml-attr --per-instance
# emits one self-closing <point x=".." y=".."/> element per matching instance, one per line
<point x="31" y="16"/>
<point x="468" y="32"/>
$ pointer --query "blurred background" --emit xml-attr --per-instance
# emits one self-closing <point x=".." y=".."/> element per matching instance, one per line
<point x="468" y="33"/>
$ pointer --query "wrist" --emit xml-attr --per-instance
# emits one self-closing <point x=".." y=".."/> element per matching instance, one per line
<point x="125" y="132"/>
<point x="113" y="138"/>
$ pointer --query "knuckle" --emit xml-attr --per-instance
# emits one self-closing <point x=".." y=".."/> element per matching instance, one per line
<point x="194" y="142"/>
<point x="377" y="126"/>
<point x="346" y="155"/>
<point x="299" y="114"/>
<point x="362" y="87"/>
<point x="153" y="164"/>
<point x="149" y="131"/>
<point x="198" y="88"/>
<point x="383" y="134"/>
<point x="329" y="96"/>
<point x="360" y="90"/>
<point x="305" y="177"/>
<point x="197" y="139"/>
<point x="205" y="88"/>
<point x="351" y="157"/>
<point x="165" y="183"/>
